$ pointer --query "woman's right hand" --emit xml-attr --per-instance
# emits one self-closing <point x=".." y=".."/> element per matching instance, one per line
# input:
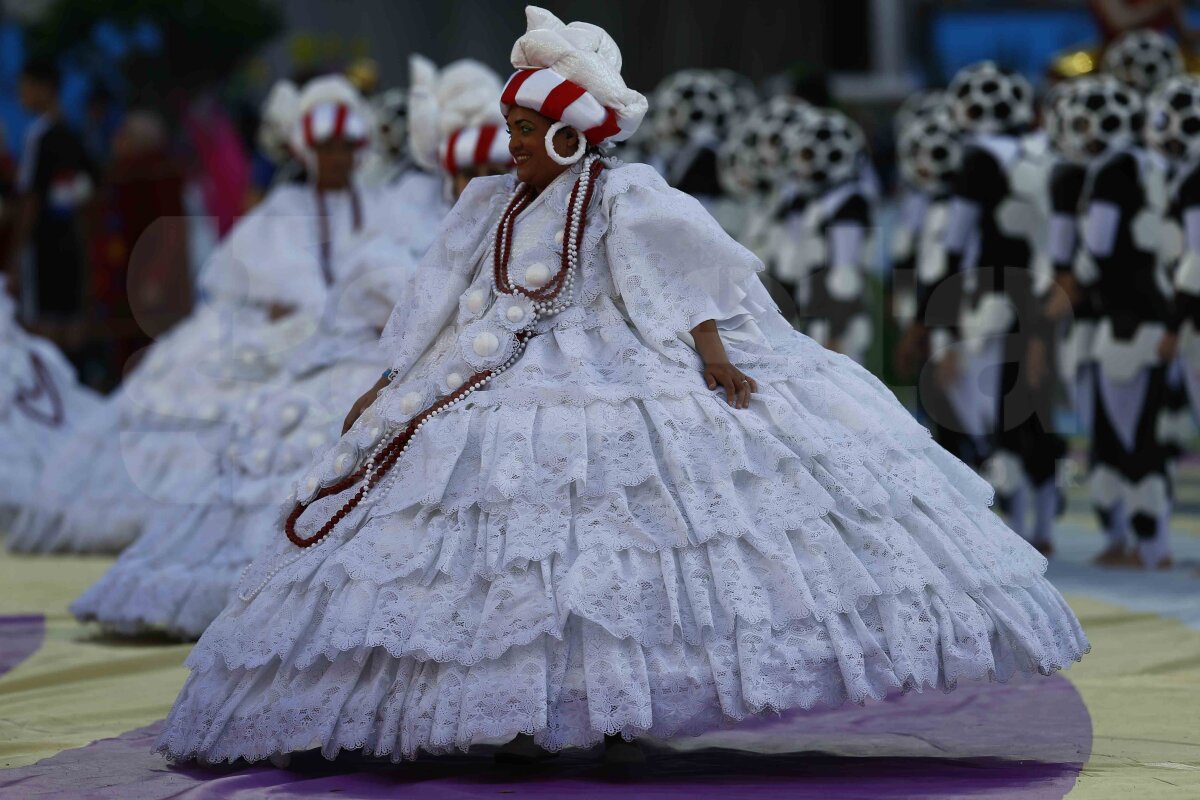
<point x="363" y="403"/>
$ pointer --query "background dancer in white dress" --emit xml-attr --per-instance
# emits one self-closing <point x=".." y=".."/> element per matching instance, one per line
<point x="178" y="575"/>
<point x="41" y="403"/>
<point x="150" y="444"/>
<point x="582" y="519"/>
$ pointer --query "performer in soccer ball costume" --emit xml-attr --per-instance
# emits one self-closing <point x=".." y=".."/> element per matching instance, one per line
<point x="930" y="154"/>
<point x="752" y="165"/>
<point x="388" y="161"/>
<point x="1070" y="306"/>
<point x="825" y="188"/>
<point x="999" y="375"/>
<point x="692" y="111"/>
<point x="1142" y="59"/>
<point x="914" y="201"/>
<point x="1173" y="131"/>
<point x="1123" y="208"/>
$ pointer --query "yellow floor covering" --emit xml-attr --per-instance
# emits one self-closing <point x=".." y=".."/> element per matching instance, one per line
<point x="1141" y="685"/>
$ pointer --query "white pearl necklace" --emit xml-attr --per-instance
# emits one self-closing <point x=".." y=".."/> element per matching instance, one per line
<point x="545" y="306"/>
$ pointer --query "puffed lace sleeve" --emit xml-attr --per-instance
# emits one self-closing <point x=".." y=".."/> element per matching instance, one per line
<point x="672" y="264"/>
<point x="378" y="278"/>
<point x="269" y="258"/>
<point x="428" y="294"/>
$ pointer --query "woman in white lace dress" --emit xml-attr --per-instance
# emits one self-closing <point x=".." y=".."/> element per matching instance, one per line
<point x="572" y="515"/>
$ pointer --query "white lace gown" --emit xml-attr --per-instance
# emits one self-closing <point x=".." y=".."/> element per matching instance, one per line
<point x="178" y="575"/>
<point x="158" y="442"/>
<point x="41" y="404"/>
<point x="595" y="543"/>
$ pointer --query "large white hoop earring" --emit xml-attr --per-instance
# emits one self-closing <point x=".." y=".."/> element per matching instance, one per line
<point x="568" y="160"/>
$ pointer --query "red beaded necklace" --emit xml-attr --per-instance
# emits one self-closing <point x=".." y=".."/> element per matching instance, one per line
<point x="386" y="457"/>
<point x="326" y="239"/>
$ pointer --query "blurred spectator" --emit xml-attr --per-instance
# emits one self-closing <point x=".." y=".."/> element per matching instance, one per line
<point x="8" y="173"/>
<point x="102" y="116"/>
<point x="148" y="288"/>
<point x="222" y="167"/>
<point x="55" y="181"/>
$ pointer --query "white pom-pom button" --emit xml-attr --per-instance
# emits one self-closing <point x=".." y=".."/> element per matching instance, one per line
<point x="558" y="236"/>
<point x="341" y="464"/>
<point x="537" y="275"/>
<point x="475" y="301"/>
<point x="310" y="485"/>
<point x="485" y="344"/>
<point x="373" y="432"/>
<point x="453" y="381"/>
<point x="316" y="439"/>
<point x="410" y="402"/>
<point x="290" y="415"/>
<point x="515" y="314"/>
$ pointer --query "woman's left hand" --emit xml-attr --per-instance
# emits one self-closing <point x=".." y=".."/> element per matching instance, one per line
<point x="738" y="385"/>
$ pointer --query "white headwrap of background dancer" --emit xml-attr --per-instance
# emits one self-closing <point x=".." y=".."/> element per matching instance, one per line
<point x="572" y="74"/>
<point x="280" y="110"/>
<point x="453" y="117"/>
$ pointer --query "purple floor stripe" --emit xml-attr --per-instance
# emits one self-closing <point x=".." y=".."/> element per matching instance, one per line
<point x="20" y="637"/>
<point x="1026" y="740"/>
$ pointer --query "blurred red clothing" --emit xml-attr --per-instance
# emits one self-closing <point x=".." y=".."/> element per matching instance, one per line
<point x="1112" y="26"/>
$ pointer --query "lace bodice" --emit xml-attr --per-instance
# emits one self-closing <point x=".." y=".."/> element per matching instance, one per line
<point x="651" y="260"/>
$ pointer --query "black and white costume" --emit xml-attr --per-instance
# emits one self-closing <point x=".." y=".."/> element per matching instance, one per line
<point x="1173" y="131"/>
<point x="1064" y="111"/>
<point x="388" y="160"/>
<point x="1123" y="204"/>
<point x="751" y="164"/>
<point x="914" y="157"/>
<point x="930" y="154"/>
<point x="825" y="207"/>
<point x="993" y="297"/>
<point x="1142" y="59"/>
<point x="693" y="112"/>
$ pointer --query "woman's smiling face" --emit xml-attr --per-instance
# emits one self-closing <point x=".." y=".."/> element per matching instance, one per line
<point x="527" y="144"/>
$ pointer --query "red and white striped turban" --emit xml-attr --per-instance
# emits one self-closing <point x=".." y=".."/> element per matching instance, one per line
<point x="330" y="107"/>
<point x="333" y="121"/>
<point x="553" y="96"/>
<point x="452" y="118"/>
<point x="475" y="146"/>
<point x="572" y="74"/>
